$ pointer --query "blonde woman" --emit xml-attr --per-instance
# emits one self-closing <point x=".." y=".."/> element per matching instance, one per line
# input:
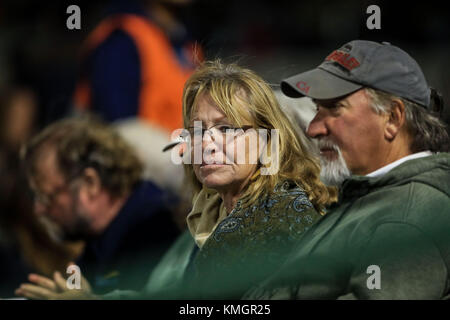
<point x="246" y="214"/>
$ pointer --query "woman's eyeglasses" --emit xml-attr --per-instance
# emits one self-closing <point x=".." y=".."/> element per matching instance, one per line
<point x="218" y="130"/>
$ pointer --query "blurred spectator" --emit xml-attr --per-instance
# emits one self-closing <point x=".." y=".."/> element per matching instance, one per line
<point x="148" y="141"/>
<point x="134" y="66"/>
<point x="135" y="63"/>
<point x="87" y="180"/>
<point x="26" y="244"/>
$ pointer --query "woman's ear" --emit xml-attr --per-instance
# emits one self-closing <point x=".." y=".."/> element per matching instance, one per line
<point x="91" y="182"/>
<point x="395" y="119"/>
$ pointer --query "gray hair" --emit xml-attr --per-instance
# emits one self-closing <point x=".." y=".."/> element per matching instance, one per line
<point x="427" y="131"/>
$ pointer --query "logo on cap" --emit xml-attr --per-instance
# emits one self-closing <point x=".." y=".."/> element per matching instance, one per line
<point x="302" y="86"/>
<point x="344" y="59"/>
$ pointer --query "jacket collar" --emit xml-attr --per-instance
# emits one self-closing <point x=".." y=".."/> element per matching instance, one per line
<point x="415" y="170"/>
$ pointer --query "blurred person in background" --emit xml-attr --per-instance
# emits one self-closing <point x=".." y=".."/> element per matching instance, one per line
<point x="135" y="63"/>
<point x="87" y="180"/>
<point x="133" y="68"/>
<point x="26" y="243"/>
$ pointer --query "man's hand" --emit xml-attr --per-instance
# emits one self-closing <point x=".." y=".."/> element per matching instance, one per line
<point x="54" y="289"/>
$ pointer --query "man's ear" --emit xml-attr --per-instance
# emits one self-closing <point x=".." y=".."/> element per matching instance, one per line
<point x="395" y="119"/>
<point x="91" y="182"/>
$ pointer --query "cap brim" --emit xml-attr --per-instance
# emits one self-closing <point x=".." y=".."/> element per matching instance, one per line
<point x="317" y="84"/>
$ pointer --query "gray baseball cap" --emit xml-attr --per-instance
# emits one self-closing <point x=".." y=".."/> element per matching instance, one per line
<point x="359" y="64"/>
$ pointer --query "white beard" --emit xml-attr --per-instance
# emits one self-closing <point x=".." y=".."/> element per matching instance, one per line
<point x="333" y="172"/>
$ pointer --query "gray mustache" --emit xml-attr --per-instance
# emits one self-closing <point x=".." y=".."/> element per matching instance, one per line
<point x="326" y="143"/>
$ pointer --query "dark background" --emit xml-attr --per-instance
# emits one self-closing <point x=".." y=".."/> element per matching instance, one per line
<point x="275" y="38"/>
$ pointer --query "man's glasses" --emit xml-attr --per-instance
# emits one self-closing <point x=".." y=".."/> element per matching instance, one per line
<point x="48" y="199"/>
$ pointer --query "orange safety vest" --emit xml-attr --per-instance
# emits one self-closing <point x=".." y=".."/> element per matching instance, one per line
<point x="162" y="76"/>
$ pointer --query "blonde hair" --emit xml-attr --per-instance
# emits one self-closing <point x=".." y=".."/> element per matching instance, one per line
<point x="225" y="84"/>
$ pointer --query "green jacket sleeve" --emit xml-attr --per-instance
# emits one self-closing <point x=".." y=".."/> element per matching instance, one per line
<point x="167" y="278"/>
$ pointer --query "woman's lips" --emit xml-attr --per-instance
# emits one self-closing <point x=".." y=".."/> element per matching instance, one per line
<point x="212" y="165"/>
<point x="211" y="162"/>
